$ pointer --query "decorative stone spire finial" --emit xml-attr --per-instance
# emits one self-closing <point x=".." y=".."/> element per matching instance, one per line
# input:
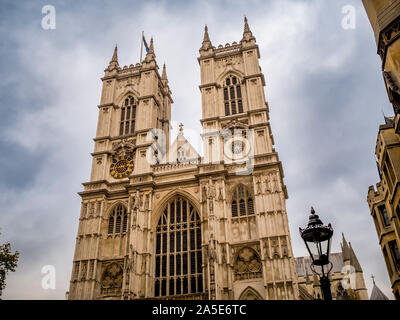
<point x="164" y="73"/>
<point x="114" y="60"/>
<point x="150" y="54"/>
<point x="206" y="40"/>
<point x="247" y="34"/>
<point x="181" y="128"/>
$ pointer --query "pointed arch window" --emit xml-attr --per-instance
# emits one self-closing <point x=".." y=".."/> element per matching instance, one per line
<point x="128" y="116"/>
<point x="232" y="96"/>
<point x="118" y="220"/>
<point x="178" y="259"/>
<point x="242" y="202"/>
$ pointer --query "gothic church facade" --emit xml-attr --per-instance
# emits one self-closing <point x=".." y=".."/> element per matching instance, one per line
<point x="159" y="221"/>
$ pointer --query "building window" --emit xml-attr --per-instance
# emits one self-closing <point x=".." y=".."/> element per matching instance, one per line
<point x="242" y="202"/>
<point x="389" y="267"/>
<point x="384" y="215"/>
<point x="128" y="116"/>
<point x="232" y="96"/>
<point x="178" y="259"/>
<point x="118" y="221"/>
<point x="394" y="249"/>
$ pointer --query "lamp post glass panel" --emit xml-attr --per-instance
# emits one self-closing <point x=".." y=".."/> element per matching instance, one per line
<point x="317" y="238"/>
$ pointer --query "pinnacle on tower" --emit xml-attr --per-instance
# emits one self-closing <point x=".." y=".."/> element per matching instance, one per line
<point x="247" y="34"/>
<point x="164" y="73"/>
<point x="150" y="54"/>
<point x="114" y="60"/>
<point x="345" y="249"/>
<point x="206" y="44"/>
<point x="354" y="261"/>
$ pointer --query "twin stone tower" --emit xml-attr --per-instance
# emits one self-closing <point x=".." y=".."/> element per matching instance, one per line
<point x="159" y="221"/>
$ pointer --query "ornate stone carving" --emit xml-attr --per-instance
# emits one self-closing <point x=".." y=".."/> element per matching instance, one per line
<point x="123" y="148"/>
<point x="111" y="281"/>
<point x="247" y="264"/>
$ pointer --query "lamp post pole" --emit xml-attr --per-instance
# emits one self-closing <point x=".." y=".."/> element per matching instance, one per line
<point x="317" y="239"/>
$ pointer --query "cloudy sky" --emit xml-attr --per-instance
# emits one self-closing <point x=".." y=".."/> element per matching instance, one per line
<point x="323" y="85"/>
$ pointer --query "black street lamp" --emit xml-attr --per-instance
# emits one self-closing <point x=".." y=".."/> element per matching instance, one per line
<point x="317" y="238"/>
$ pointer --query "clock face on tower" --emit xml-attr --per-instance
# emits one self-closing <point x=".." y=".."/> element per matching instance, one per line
<point x="121" y="167"/>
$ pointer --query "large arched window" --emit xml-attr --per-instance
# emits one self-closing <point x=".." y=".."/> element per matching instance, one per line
<point x="178" y="260"/>
<point x="118" y="220"/>
<point x="128" y="116"/>
<point x="242" y="202"/>
<point x="232" y="96"/>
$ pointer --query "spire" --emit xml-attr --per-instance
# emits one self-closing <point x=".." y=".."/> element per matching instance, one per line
<point x="181" y="129"/>
<point x="164" y="73"/>
<point x="345" y="249"/>
<point x="150" y="54"/>
<point x="114" y="60"/>
<point x="247" y="34"/>
<point x="376" y="293"/>
<point x="206" y="44"/>
<point x="115" y="55"/>
<point x="151" y="48"/>
<point x="246" y="25"/>
<point x="354" y="261"/>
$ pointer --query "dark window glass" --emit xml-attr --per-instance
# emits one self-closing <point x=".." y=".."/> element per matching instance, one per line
<point x="171" y="265"/>
<point x="121" y="129"/>
<point x="234" y="80"/>
<point x="226" y="94"/>
<point x="171" y="287"/>
<point x="385" y="217"/>
<point x="227" y="109"/>
<point x="171" y="262"/>
<point x="234" y="209"/>
<point x="242" y="208"/>
<point x="232" y="89"/>
<point x="233" y="105"/>
<point x="178" y="241"/>
<point x="164" y="266"/>
<point x="228" y="81"/>
<point x="199" y="262"/>
<point x="178" y="264"/>
<point x="193" y="284"/>
<point x="192" y="240"/>
<point x="128" y="113"/>
<point x="238" y="92"/>
<point x="240" y="106"/>
<point x="172" y="242"/>
<point x="250" y="206"/>
<point x="157" y="266"/>
<point x="178" y="286"/>
<point x="157" y="288"/>
<point x="164" y="245"/>
<point x="185" y="285"/>
<point x="124" y="225"/>
<point x="185" y="263"/>
<point x="200" y="283"/>
<point x="164" y="287"/>
<point x="118" y="225"/>
<point x="184" y="240"/>
<point x="122" y="114"/>
<point x="111" y="225"/>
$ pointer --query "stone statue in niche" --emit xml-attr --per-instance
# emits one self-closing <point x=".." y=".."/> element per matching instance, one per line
<point x="275" y="248"/>
<point x="136" y="201"/>
<point x="266" y="250"/>
<point x="211" y="192"/>
<point x="267" y="183"/>
<point x="258" y="184"/>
